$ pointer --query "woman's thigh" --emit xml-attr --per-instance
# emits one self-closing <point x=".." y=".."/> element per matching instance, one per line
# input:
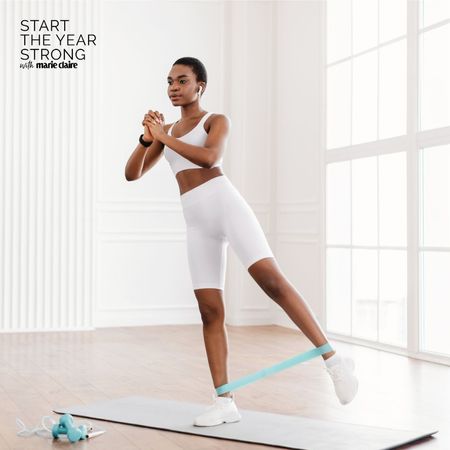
<point x="244" y="232"/>
<point x="207" y="258"/>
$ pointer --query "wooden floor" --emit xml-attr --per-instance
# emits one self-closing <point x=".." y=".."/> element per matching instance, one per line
<point x="41" y="371"/>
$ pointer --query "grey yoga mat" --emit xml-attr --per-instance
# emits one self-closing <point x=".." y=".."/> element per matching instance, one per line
<point x="278" y="430"/>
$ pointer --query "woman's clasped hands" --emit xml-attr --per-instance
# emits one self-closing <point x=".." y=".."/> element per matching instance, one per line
<point x="153" y="125"/>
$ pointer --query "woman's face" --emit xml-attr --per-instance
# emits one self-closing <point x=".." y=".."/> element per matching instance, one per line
<point x="182" y="85"/>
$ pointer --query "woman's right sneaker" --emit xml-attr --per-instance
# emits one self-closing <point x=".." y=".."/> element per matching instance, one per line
<point x="224" y="410"/>
<point x="345" y="382"/>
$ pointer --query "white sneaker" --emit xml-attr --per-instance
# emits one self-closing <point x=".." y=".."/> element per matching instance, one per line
<point x="223" y="410"/>
<point x="345" y="383"/>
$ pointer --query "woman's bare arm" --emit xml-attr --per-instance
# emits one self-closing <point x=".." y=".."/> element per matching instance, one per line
<point x="211" y="151"/>
<point x="144" y="158"/>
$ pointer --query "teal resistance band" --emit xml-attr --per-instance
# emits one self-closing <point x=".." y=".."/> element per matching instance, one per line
<point x="240" y="382"/>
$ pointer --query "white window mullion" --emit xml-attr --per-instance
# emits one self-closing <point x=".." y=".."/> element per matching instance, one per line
<point x="351" y="166"/>
<point x="412" y="178"/>
<point x="378" y="173"/>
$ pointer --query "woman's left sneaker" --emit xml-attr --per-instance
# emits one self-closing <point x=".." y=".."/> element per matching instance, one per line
<point x="223" y="410"/>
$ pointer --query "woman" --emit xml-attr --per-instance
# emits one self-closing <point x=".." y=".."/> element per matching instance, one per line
<point x="217" y="215"/>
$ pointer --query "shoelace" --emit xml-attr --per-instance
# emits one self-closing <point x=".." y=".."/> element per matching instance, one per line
<point x="43" y="431"/>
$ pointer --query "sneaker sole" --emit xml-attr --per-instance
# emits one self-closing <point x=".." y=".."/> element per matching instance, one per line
<point x="353" y="395"/>
<point x="347" y="401"/>
<point x="350" y="364"/>
<point x="226" y="420"/>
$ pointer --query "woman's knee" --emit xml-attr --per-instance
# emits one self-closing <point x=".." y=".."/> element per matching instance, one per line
<point x="269" y="277"/>
<point x="211" y="307"/>
<point x="212" y="317"/>
<point x="274" y="287"/>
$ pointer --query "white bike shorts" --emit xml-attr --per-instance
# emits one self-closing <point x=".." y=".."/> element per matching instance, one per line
<point x="216" y="215"/>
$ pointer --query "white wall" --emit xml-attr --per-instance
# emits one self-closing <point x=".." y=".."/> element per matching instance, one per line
<point x="264" y="66"/>
<point x="251" y="151"/>
<point x="300" y="105"/>
<point x="48" y="131"/>
<point x="274" y="58"/>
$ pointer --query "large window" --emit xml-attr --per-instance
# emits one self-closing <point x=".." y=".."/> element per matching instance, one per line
<point x="387" y="160"/>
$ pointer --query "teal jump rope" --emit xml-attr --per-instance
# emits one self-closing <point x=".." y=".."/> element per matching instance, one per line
<point x="240" y="382"/>
<point x="65" y="426"/>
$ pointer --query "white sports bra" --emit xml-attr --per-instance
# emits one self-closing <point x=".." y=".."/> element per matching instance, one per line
<point x="197" y="136"/>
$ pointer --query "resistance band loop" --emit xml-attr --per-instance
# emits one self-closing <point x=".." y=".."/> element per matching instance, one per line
<point x="240" y="382"/>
